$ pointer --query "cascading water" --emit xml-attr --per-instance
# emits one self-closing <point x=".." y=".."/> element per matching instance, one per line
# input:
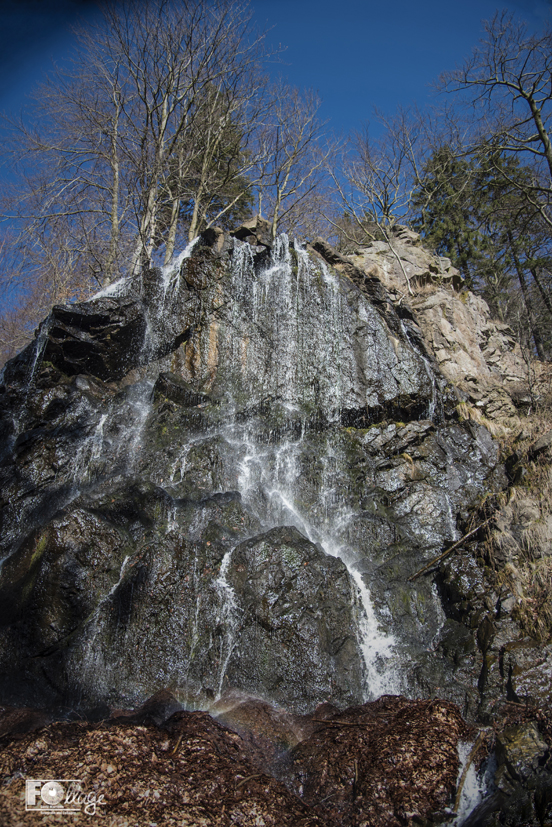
<point x="228" y="617"/>
<point x="227" y="473"/>
<point x="122" y="448"/>
<point x="262" y="393"/>
<point x="268" y="465"/>
<point x="472" y="784"/>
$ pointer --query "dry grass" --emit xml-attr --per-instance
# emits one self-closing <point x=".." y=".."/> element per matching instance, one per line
<point x="522" y="539"/>
<point x="471" y="413"/>
<point x="531" y="584"/>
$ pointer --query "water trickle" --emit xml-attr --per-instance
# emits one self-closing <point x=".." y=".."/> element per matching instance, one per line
<point x="89" y="452"/>
<point x="113" y="290"/>
<point x="39" y="345"/>
<point x="434" y="397"/>
<point x="170" y="273"/>
<point x="228" y="618"/>
<point x="451" y="522"/>
<point x="139" y="408"/>
<point x="474" y="784"/>
<point x="93" y="660"/>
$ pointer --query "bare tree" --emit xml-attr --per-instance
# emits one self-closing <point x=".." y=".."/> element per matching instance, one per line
<point x="292" y="159"/>
<point x="507" y="84"/>
<point x="377" y="175"/>
<point x="154" y="92"/>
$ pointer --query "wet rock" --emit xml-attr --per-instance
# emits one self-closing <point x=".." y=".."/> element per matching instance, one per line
<point x="523" y="781"/>
<point x="520" y="751"/>
<point x="527" y="665"/>
<point x="18" y="721"/>
<point x="103" y="338"/>
<point x="289" y="647"/>
<point x="179" y="391"/>
<point x="456" y="641"/>
<point x="127" y="504"/>
<point x="270" y="731"/>
<point x="155" y="710"/>
<point x="368" y="281"/>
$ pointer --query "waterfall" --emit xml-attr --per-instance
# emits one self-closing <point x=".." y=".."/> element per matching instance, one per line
<point x="292" y="377"/>
<point x="122" y="449"/>
<point x="227" y="617"/>
<point x="294" y="368"/>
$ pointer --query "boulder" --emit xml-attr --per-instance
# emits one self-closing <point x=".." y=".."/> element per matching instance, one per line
<point x="521" y="750"/>
<point x="288" y="647"/>
<point x="256" y="231"/>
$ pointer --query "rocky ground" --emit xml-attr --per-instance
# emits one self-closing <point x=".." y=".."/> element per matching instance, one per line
<point x="389" y="763"/>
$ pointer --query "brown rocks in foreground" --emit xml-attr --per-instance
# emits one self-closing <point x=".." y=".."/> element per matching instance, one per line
<point x="383" y="763"/>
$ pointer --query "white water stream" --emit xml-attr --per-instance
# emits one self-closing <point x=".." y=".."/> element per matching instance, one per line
<point x="301" y="319"/>
<point x="289" y="361"/>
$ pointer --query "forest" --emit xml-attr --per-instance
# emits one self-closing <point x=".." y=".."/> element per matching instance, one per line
<point x="167" y="123"/>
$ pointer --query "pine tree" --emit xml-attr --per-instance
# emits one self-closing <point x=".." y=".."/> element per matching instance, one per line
<point x="473" y="210"/>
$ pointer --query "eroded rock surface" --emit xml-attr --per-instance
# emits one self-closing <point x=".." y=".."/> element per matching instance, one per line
<point x="262" y="391"/>
<point x="476" y="353"/>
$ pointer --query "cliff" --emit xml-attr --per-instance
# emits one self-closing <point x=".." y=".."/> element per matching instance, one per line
<point x="241" y="473"/>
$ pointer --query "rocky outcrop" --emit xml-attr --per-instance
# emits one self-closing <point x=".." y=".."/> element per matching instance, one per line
<point x="256" y="231"/>
<point x="253" y="492"/>
<point x="143" y="503"/>
<point x="477" y="354"/>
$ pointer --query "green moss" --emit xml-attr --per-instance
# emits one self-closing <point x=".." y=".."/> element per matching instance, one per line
<point x="291" y="557"/>
<point x="39" y="549"/>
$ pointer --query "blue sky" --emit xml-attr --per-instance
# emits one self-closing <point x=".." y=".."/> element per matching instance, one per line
<point x="356" y="53"/>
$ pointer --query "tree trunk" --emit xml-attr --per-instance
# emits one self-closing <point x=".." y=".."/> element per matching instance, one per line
<point x="114" y="235"/>
<point x="171" y="235"/>
<point x="527" y="300"/>
<point x="544" y="295"/>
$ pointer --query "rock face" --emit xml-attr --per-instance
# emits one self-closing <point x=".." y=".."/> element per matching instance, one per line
<point x="219" y="483"/>
<point x="477" y="354"/>
<point x="234" y="493"/>
<point x="285" y="644"/>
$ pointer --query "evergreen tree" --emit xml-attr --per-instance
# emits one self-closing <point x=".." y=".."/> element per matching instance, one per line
<point x="473" y="210"/>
